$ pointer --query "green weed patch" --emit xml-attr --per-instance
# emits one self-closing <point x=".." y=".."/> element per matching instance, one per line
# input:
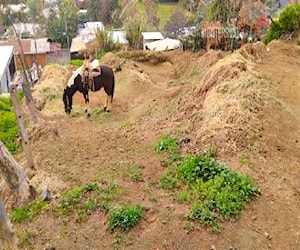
<point x="83" y="200"/>
<point x="29" y="211"/>
<point x="124" y="217"/>
<point x="216" y="192"/>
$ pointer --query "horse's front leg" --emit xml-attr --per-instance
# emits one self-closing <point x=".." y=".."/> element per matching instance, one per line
<point x="87" y="100"/>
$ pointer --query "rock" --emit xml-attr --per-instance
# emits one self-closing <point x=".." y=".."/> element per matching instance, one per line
<point x="213" y="247"/>
<point x="49" y="247"/>
<point x="185" y="140"/>
<point x="46" y="196"/>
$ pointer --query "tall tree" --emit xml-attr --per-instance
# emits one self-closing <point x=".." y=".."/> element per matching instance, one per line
<point x="151" y="14"/>
<point x="223" y="10"/>
<point x="101" y="10"/>
<point x="62" y="24"/>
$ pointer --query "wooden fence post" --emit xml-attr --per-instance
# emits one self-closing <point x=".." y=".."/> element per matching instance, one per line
<point x="22" y="130"/>
<point x="17" y="180"/>
<point x="8" y="239"/>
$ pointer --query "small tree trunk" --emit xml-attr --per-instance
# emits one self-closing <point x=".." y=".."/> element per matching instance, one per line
<point x="8" y="239"/>
<point x="13" y="174"/>
<point x="17" y="180"/>
<point x="22" y="130"/>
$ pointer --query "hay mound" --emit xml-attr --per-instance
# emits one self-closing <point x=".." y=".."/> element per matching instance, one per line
<point x="224" y="110"/>
<point x="51" y="85"/>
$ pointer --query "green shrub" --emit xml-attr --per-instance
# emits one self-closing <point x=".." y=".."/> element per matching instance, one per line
<point x="169" y="144"/>
<point x="8" y="125"/>
<point x="274" y="32"/>
<point x="124" y="217"/>
<point x="289" y="18"/>
<point x="216" y="191"/>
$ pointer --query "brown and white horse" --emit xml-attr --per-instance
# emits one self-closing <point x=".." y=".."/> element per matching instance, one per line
<point x="87" y="79"/>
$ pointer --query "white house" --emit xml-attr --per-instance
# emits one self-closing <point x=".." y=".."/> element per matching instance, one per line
<point x="151" y="37"/>
<point x="7" y="67"/>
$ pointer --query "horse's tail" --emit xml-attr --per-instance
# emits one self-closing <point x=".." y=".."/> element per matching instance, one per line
<point x="112" y="87"/>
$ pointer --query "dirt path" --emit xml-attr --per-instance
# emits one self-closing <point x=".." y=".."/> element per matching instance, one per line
<point x="76" y="151"/>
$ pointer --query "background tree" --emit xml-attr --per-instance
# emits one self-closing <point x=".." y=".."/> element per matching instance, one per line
<point x="62" y="25"/>
<point x="223" y="10"/>
<point x="101" y="10"/>
<point x="177" y="20"/>
<point x="152" y="18"/>
<point x="133" y="24"/>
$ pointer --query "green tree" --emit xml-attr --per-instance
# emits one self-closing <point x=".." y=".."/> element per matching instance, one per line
<point x="151" y="14"/>
<point x="223" y="10"/>
<point x="101" y="10"/>
<point x="62" y="25"/>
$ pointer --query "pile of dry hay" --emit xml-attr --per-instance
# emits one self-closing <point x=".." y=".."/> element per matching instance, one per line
<point x="225" y="109"/>
<point x="50" y="87"/>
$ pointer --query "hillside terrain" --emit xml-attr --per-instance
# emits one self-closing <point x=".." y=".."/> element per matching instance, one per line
<point x="246" y="104"/>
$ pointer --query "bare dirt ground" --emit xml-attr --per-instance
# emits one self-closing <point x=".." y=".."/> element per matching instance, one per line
<point x="246" y="103"/>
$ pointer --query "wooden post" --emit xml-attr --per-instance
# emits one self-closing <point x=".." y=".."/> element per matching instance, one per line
<point x="8" y="239"/>
<point x="17" y="180"/>
<point x="20" y="120"/>
<point x="13" y="174"/>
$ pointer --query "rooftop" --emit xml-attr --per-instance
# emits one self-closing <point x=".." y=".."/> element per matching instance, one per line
<point x="6" y="53"/>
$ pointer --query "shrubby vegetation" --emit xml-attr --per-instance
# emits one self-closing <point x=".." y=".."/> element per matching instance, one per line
<point x="289" y="20"/>
<point x="8" y="126"/>
<point x="215" y="192"/>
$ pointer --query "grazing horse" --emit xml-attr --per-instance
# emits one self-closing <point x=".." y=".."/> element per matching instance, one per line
<point x="85" y="81"/>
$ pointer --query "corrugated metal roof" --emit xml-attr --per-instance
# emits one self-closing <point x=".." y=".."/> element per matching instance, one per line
<point x="152" y="35"/>
<point x="6" y="53"/>
<point x="165" y="44"/>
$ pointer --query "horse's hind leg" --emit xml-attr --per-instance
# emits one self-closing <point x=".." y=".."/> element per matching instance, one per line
<point x="108" y="101"/>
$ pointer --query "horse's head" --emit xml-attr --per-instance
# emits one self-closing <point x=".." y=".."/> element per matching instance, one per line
<point x="67" y="99"/>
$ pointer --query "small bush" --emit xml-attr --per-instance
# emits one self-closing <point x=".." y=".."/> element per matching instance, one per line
<point x="169" y="144"/>
<point x="274" y="32"/>
<point x="289" y="18"/>
<point x="124" y="217"/>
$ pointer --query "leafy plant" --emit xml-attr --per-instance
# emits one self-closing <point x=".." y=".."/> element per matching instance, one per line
<point x="216" y="191"/>
<point x="124" y="217"/>
<point x="169" y="144"/>
<point x="182" y="196"/>
<point x="86" y="199"/>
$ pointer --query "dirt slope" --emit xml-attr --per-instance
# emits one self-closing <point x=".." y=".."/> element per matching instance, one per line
<point x="246" y="103"/>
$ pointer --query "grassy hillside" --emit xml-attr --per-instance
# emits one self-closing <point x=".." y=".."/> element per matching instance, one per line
<point x="164" y="11"/>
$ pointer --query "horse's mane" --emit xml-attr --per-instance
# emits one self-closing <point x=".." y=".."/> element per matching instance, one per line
<point x="86" y="64"/>
<point x="74" y="74"/>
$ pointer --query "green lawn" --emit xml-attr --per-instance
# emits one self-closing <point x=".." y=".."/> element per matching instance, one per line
<point x="164" y="12"/>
